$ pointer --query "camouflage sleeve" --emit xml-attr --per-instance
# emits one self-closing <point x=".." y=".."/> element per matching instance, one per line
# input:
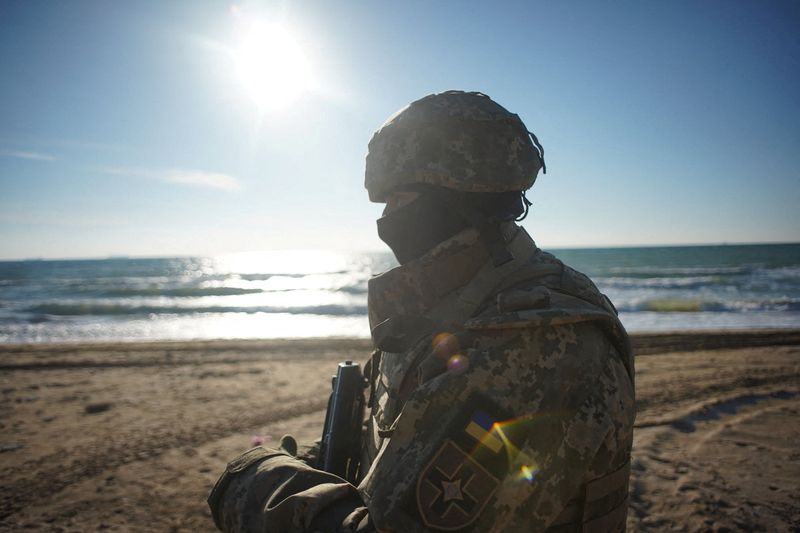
<point x="270" y="491"/>
<point x="508" y="437"/>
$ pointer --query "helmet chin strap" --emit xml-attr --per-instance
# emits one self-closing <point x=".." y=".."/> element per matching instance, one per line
<point x="527" y="204"/>
<point x="541" y="150"/>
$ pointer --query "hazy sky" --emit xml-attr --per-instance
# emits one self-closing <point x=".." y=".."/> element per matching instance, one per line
<point x="152" y="128"/>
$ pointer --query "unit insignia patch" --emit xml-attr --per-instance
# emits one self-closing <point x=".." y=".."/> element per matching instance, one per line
<point x="453" y="489"/>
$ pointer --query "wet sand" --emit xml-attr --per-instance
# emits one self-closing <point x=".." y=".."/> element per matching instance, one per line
<point x="131" y="436"/>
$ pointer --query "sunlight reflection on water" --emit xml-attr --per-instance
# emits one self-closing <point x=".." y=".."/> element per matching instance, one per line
<point x="294" y="262"/>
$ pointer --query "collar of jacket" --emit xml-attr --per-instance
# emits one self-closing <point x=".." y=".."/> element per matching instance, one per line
<point x="440" y="289"/>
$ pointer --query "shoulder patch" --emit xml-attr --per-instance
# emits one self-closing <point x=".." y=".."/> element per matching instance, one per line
<point x="453" y="489"/>
<point x="467" y="469"/>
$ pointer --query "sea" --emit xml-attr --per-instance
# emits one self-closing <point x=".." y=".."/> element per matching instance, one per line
<point x="302" y="294"/>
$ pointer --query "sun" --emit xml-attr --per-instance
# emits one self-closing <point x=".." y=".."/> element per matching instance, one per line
<point x="272" y="66"/>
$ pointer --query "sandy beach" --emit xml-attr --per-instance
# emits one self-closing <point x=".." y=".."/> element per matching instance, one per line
<point x="131" y="436"/>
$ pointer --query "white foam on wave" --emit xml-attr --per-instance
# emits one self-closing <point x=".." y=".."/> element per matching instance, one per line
<point x="646" y="321"/>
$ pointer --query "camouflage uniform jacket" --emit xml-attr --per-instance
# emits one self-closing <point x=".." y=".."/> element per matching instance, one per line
<point x="501" y="400"/>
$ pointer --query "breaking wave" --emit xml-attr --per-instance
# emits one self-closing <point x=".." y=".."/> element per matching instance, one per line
<point x="84" y="309"/>
<point x="690" y="305"/>
<point x="181" y="292"/>
<point x="657" y="271"/>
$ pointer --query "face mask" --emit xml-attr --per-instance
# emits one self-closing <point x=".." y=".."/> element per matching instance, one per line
<point x="418" y="226"/>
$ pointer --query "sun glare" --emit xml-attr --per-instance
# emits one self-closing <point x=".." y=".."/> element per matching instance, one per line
<point x="272" y="66"/>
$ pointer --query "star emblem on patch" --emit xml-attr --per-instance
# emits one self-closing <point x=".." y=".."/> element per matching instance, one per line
<point x="452" y="490"/>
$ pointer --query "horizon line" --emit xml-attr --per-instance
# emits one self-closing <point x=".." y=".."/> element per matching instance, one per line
<point x="386" y="250"/>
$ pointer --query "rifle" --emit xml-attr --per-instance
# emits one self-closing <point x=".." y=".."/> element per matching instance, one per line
<point x="340" y="450"/>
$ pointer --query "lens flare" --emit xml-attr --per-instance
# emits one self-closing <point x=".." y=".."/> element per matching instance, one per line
<point x="457" y="363"/>
<point x="523" y="466"/>
<point x="445" y="344"/>
<point x="527" y="473"/>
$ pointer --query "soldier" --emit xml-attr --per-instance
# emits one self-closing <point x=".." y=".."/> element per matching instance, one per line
<point x="501" y="389"/>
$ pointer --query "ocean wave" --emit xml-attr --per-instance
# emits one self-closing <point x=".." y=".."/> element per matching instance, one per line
<point x="95" y="309"/>
<point x="782" y="273"/>
<point x="654" y="271"/>
<point x="352" y="283"/>
<point x="181" y="292"/>
<point x="354" y="289"/>
<point x="693" y="282"/>
<point x="676" y="305"/>
<point x="263" y="276"/>
<point x="697" y="305"/>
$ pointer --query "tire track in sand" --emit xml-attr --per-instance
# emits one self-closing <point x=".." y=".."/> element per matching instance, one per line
<point x="730" y="467"/>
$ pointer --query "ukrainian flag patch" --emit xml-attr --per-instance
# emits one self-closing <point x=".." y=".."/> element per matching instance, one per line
<point x="481" y="428"/>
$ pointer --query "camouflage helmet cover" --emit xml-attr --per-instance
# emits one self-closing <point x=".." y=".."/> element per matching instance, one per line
<point x="459" y="140"/>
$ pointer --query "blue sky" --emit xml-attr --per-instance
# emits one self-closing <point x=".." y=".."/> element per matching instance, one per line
<point x="125" y="128"/>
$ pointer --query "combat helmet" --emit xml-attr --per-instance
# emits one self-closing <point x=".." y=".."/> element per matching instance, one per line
<point x="458" y="140"/>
